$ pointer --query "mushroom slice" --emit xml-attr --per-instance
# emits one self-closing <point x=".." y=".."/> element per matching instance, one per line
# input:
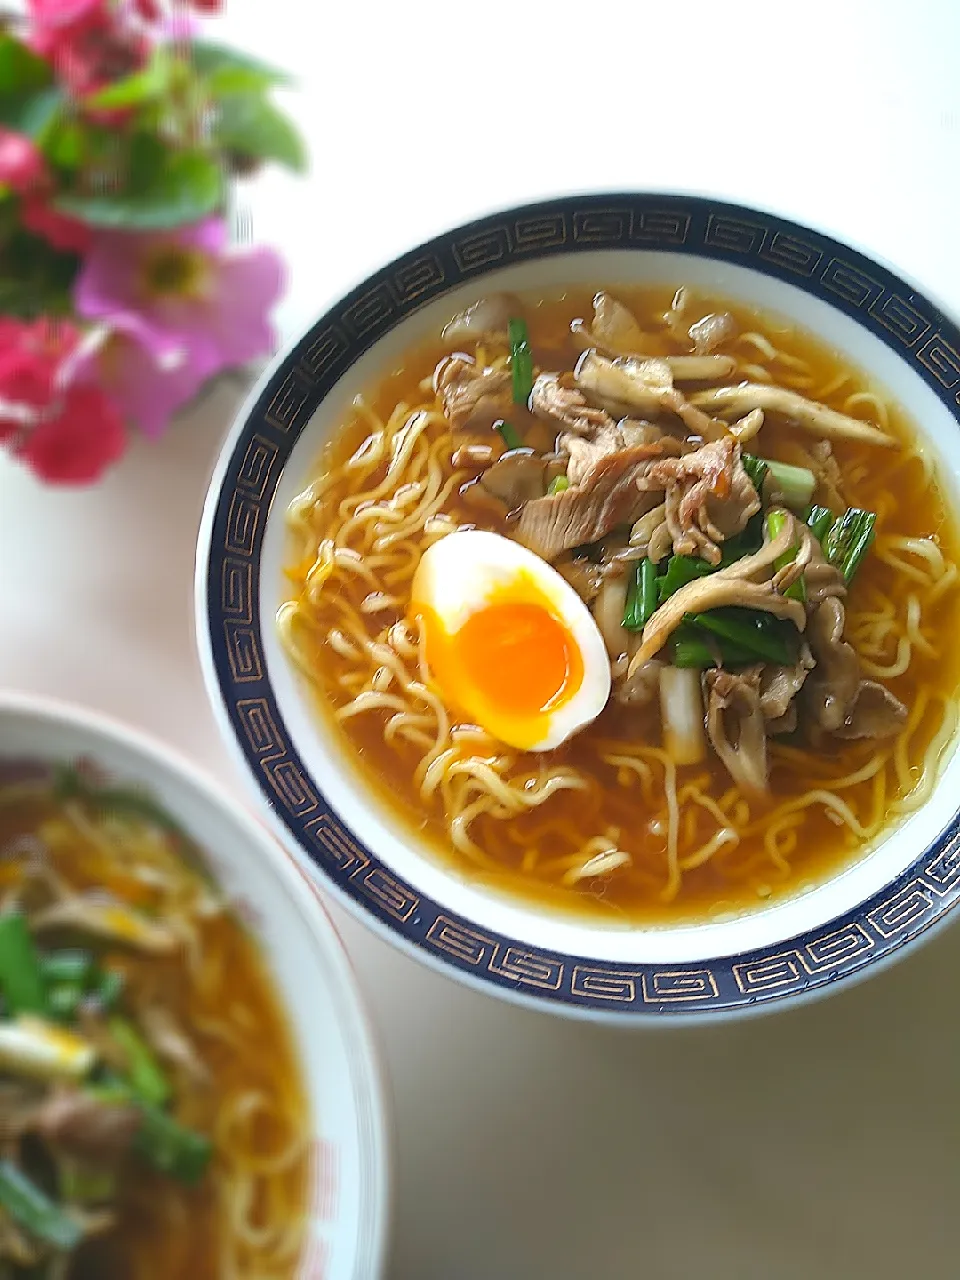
<point x="810" y="415"/>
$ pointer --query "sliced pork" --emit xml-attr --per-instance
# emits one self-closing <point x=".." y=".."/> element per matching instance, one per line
<point x="607" y="496"/>
<point x="709" y="497"/>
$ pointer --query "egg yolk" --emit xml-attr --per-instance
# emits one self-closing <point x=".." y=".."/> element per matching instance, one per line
<point x="510" y="662"/>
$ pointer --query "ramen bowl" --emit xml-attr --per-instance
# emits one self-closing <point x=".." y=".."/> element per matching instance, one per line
<point x="855" y="919"/>
<point x="341" y="1223"/>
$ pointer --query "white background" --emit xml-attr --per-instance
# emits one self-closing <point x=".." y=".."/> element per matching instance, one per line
<point x="823" y="1142"/>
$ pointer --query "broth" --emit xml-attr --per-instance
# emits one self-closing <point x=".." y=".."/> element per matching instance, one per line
<point x="246" y="1216"/>
<point x="779" y="851"/>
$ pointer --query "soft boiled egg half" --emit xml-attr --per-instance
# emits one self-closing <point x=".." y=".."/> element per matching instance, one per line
<point x="508" y="642"/>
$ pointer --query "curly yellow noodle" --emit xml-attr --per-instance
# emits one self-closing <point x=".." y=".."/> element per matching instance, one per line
<point x="358" y="534"/>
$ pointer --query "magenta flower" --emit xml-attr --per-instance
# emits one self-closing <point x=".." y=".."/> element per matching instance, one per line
<point x="192" y="304"/>
<point x="146" y="390"/>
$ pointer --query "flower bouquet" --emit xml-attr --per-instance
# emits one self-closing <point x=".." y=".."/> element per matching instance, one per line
<point x="121" y="292"/>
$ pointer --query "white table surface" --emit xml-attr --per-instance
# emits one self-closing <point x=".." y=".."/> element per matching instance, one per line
<point x="823" y="1142"/>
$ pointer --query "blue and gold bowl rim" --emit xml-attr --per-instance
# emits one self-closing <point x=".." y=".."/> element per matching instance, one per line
<point x="900" y="316"/>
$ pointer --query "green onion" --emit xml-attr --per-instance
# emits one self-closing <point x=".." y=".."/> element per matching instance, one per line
<point x="649" y="595"/>
<point x="108" y="988"/>
<point x="776" y="523"/>
<point x="642" y="598"/>
<point x="73" y="965"/>
<point x="680" y="571"/>
<point x="172" y="1149"/>
<point x="21" y="979"/>
<point x="33" y="1210"/>
<point x="743" y="544"/>
<point x="161" y="1141"/>
<point x="63" y="999"/>
<point x="756" y="469"/>
<point x="849" y="540"/>
<point x="820" y="520"/>
<point x="510" y="437"/>
<point x="692" y="650"/>
<point x="84" y="1184"/>
<point x="795" y="485"/>
<point x="146" y="1076"/>
<point x="750" y="631"/>
<point x="521" y="360"/>
<point x="69" y="784"/>
<point x="558" y="484"/>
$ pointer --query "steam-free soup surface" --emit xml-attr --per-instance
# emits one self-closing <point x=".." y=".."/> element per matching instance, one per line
<point x="609" y="824"/>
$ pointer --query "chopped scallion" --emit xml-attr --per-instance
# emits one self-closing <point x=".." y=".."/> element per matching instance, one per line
<point x="743" y="544"/>
<point x="558" y="484"/>
<point x="510" y="437"/>
<point x="33" y="1210"/>
<point x="21" y="979"/>
<point x="642" y="597"/>
<point x="521" y="360"/>
<point x="756" y="469"/>
<point x="172" y="1149"/>
<point x="72" y="965"/>
<point x="751" y="632"/>
<point x="849" y="540"/>
<point x="700" y="653"/>
<point x="681" y="570"/>
<point x="108" y="988"/>
<point x="87" y="1184"/>
<point x="820" y="520"/>
<point x="145" y="1074"/>
<point x="63" y="999"/>
<point x="776" y="522"/>
<point x="795" y="485"/>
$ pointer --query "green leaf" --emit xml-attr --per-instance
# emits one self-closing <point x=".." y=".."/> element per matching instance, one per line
<point x="32" y="113"/>
<point x="21" y="71"/>
<point x="252" y="126"/>
<point x="171" y="190"/>
<point x="213" y="60"/>
<point x="147" y="85"/>
<point x="65" y="145"/>
<point x="36" y="279"/>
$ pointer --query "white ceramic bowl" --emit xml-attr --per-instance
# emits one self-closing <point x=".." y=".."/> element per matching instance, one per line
<point x="857" y="919"/>
<point x="348" y="1194"/>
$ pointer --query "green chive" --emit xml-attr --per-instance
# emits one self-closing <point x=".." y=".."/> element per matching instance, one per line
<point x="33" y="1210"/>
<point x="821" y="521"/>
<point x="754" y="634"/>
<point x="558" y="484"/>
<point x="72" y="965"/>
<point x="510" y="437"/>
<point x="849" y="540"/>
<point x="21" y="979"/>
<point x="795" y="485"/>
<point x="756" y="469"/>
<point x="146" y="1076"/>
<point x="521" y="360"/>
<point x="776" y="523"/>
<point x="169" y="1147"/>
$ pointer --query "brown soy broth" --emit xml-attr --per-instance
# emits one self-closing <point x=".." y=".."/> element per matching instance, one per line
<point x="894" y="483"/>
<point x="164" y="1229"/>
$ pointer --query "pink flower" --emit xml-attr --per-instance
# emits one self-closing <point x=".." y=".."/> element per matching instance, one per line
<point x="22" y="167"/>
<point x="183" y="295"/>
<point x="66" y="432"/>
<point x="145" y="389"/>
<point x="90" y="42"/>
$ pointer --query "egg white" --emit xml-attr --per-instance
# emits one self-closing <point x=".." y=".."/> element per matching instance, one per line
<point x="465" y="571"/>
